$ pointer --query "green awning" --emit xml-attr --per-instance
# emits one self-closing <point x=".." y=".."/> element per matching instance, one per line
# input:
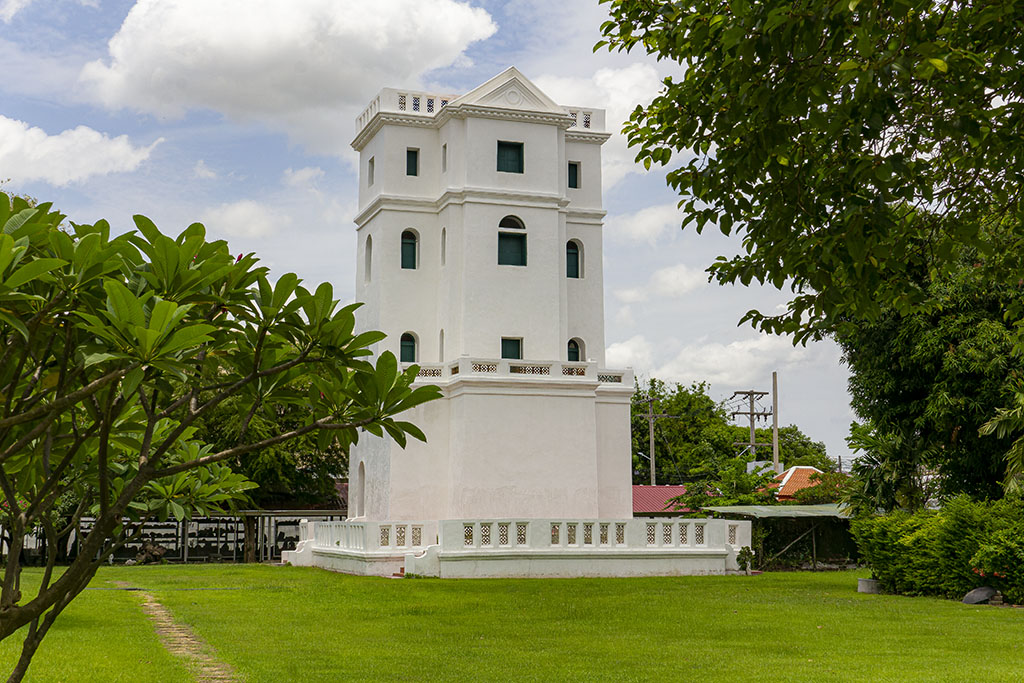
<point x="783" y="511"/>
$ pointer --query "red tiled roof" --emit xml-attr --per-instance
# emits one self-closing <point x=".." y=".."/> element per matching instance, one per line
<point x="648" y="499"/>
<point x="794" y="479"/>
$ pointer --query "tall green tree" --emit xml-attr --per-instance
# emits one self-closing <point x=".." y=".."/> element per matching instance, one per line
<point x="852" y="145"/>
<point x="115" y="347"/>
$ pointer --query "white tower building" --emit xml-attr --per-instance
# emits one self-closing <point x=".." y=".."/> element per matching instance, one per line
<point x="479" y="233"/>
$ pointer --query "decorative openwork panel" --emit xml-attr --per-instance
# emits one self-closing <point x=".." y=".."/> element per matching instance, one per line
<point x="521" y="533"/>
<point x="571" y="533"/>
<point x="555" y="533"/>
<point x="401" y="103"/>
<point x="570" y="371"/>
<point x="485" y="534"/>
<point x="467" y="534"/>
<point x="430" y="105"/>
<point x="530" y="369"/>
<point x="732" y="534"/>
<point x="429" y="372"/>
<point x="620" y="533"/>
<point x="604" y="534"/>
<point x="683" y="529"/>
<point x="652" y="536"/>
<point x="385" y="536"/>
<point x="444" y="103"/>
<point x="698" y="534"/>
<point x="485" y="367"/>
<point x="503" y="533"/>
<point x="614" y="379"/>
<point x="575" y="119"/>
<point x="455" y="369"/>
<point x="666" y="533"/>
<point x="588" y="534"/>
<point x="586" y="118"/>
<point x="415" y="103"/>
<point x="400" y="535"/>
<point x="417" y="535"/>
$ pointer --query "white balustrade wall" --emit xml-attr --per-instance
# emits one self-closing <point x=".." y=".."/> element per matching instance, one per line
<point x="397" y="537"/>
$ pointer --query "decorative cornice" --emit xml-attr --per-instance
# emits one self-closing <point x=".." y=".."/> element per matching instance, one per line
<point x="395" y="118"/>
<point x="587" y="136"/>
<point x="465" y="195"/>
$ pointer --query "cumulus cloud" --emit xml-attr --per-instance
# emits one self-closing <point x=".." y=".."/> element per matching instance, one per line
<point x="671" y="282"/>
<point x="305" y="66"/>
<point x="201" y="170"/>
<point x="617" y="91"/>
<point x="8" y="8"/>
<point x="735" y="363"/>
<point x="29" y="154"/>
<point x="648" y="225"/>
<point x="245" y="218"/>
<point x="302" y="177"/>
<point x="635" y="352"/>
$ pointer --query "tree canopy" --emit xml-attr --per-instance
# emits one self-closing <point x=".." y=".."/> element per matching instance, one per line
<point x="114" y="348"/>
<point x="854" y="146"/>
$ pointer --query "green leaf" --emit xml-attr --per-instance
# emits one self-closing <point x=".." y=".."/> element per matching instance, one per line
<point x="31" y="270"/>
<point x="939" y="64"/>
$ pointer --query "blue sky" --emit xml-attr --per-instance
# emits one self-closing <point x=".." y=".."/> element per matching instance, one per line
<point x="239" y="114"/>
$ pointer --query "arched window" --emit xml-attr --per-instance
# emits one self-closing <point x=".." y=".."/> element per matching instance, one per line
<point x="407" y="351"/>
<point x="573" y="259"/>
<point x="410" y="247"/>
<point x="511" y="245"/>
<point x="444" y="244"/>
<point x="574" y="350"/>
<point x="368" y="258"/>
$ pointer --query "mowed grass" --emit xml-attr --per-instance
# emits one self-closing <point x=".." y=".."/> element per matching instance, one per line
<point x="297" y="624"/>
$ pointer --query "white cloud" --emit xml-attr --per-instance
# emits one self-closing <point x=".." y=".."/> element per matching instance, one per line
<point x="303" y="177"/>
<point x="245" y="218"/>
<point x="671" y="282"/>
<point x="29" y="154"/>
<point x="648" y="225"/>
<point x="305" y="66"/>
<point x="732" y="364"/>
<point x="635" y="352"/>
<point x="617" y="91"/>
<point x="8" y="8"/>
<point x="201" y="170"/>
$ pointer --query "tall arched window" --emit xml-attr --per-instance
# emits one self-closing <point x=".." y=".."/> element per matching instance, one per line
<point x="407" y="350"/>
<point x="368" y="258"/>
<point x="574" y="350"/>
<point x="511" y="245"/>
<point x="573" y="259"/>
<point x="410" y="249"/>
<point x="444" y="244"/>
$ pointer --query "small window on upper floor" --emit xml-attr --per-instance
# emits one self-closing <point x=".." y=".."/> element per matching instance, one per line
<point x="511" y="245"/>
<point x="510" y="157"/>
<point x="574" y="175"/>
<point x="407" y="348"/>
<point x="573" y="351"/>
<point x="412" y="161"/>
<point x="511" y="348"/>
<point x="444" y="158"/>
<point x="573" y="259"/>
<point x="410" y="250"/>
<point x="368" y="256"/>
<point x="369" y="172"/>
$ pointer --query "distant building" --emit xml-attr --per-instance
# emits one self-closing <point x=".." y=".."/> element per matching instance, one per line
<point x="794" y="479"/>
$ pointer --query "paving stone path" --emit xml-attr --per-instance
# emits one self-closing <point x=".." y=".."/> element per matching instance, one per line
<point x="179" y="640"/>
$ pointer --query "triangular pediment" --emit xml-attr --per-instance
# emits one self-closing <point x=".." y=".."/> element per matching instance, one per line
<point x="510" y="90"/>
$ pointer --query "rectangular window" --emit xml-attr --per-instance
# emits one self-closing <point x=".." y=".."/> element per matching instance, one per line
<point x="511" y="249"/>
<point x="574" y="174"/>
<point x="511" y="348"/>
<point x="369" y="172"/>
<point x="444" y="158"/>
<point x="412" y="162"/>
<point x="510" y="157"/>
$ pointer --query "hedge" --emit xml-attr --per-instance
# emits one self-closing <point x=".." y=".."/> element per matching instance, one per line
<point x="947" y="552"/>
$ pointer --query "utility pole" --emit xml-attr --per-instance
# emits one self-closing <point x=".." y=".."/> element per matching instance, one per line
<point x="775" y="422"/>
<point x="651" y="417"/>
<point x="753" y="414"/>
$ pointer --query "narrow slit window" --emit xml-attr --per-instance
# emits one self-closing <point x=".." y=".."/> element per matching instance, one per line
<point x="369" y="172"/>
<point x="574" y="175"/>
<point x="572" y="259"/>
<point x="412" y="161"/>
<point x="444" y="158"/>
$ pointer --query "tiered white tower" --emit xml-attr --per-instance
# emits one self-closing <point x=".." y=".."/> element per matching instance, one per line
<point x="479" y="240"/>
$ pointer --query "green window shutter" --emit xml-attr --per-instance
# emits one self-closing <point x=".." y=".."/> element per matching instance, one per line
<point x="408" y="349"/>
<point x="572" y="260"/>
<point x="511" y="249"/>
<point x="412" y="162"/>
<point x="510" y="157"/>
<point x="409" y="250"/>
<point x="574" y="174"/>
<point x="574" y="351"/>
<point x="512" y="348"/>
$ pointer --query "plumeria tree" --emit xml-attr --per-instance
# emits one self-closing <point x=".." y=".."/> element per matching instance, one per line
<point x="113" y="349"/>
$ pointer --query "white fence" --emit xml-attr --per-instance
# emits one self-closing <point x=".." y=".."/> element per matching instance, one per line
<point x="386" y="537"/>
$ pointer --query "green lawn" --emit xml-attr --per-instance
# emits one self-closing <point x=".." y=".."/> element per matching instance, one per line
<point x="294" y="624"/>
